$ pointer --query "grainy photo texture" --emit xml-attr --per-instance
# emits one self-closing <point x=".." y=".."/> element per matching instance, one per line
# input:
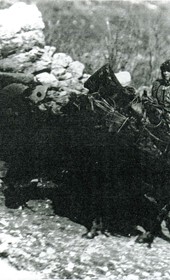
<point x="84" y="139"/>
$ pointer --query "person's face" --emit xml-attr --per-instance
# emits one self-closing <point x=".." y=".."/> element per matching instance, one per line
<point x="166" y="75"/>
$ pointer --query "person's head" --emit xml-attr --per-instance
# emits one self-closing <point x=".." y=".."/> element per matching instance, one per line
<point x="165" y="70"/>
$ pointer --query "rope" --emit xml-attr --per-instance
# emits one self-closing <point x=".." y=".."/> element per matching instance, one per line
<point x="122" y="125"/>
<point x="155" y="137"/>
<point x="155" y="126"/>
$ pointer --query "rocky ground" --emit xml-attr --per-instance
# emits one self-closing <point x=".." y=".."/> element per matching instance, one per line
<point x="36" y="244"/>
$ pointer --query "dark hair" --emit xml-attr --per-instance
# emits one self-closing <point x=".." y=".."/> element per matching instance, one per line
<point x="165" y="67"/>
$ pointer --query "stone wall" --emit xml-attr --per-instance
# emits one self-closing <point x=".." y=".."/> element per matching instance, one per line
<point x="26" y="61"/>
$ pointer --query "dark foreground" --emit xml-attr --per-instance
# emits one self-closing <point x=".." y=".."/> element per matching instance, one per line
<point x="52" y="246"/>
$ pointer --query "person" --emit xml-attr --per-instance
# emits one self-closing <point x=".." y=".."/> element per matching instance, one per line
<point x="161" y="87"/>
<point x="161" y="92"/>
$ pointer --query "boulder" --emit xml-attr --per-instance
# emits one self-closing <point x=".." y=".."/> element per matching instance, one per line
<point x="63" y="97"/>
<point x="46" y="78"/>
<point x="48" y="53"/>
<point x="34" y="61"/>
<point x="61" y="59"/>
<point x="58" y="71"/>
<point x="84" y="78"/>
<point x="124" y="78"/>
<point x="52" y="105"/>
<point x="76" y="68"/>
<point x="73" y="83"/>
<point x="22" y="62"/>
<point x="21" y="28"/>
<point x="30" y="63"/>
<point x="38" y="93"/>
<point x="43" y="63"/>
<point x="66" y="76"/>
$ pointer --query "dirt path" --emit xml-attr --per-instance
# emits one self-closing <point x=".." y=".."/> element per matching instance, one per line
<point x="51" y="247"/>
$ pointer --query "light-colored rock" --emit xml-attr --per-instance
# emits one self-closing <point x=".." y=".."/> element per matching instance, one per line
<point x="20" y="62"/>
<point x="42" y="107"/>
<point x="84" y="78"/>
<point x="73" y="83"/>
<point x="61" y="59"/>
<point x="66" y="76"/>
<point x="53" y="94"/>
<point x="44" y="62"/>
<point x="56" y="84"/>
<point x="46" y="78"/>
<point x="48" y="52"/>
<point x="27" y="61"/>
<point x="124" y="78"/>
<point x="38" y="94"/>
<point x="64" y="83"/>
<point x="63" y="97"/>
<point x="35" y="60"/>
<point x="55" y="108"/>
<point x="69" y="90"/>
<point x="84" y="90"/>
<point x="59" y="96"/>
<point x="76" y="68"/>
<point x="58" y="71"/>
<point x="21" y="28"/>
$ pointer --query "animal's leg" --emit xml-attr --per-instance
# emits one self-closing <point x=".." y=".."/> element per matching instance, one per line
<point x="149" y="236"/>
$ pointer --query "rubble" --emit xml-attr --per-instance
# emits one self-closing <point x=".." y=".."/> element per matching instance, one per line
<point x="26" y="59"/>
<point x="21" y="29"/>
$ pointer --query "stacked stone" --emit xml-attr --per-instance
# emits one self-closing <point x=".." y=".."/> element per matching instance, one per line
<point x="26" y="61"/>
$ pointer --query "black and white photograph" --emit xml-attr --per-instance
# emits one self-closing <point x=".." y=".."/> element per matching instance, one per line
<point x="85" y="139"/>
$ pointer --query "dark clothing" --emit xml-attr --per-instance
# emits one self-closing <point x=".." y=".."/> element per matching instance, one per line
<point x="161" y="91"/>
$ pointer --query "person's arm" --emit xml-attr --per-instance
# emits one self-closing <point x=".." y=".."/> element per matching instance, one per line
<point x="154" y="89"/>
<point x="157" y="91"/>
